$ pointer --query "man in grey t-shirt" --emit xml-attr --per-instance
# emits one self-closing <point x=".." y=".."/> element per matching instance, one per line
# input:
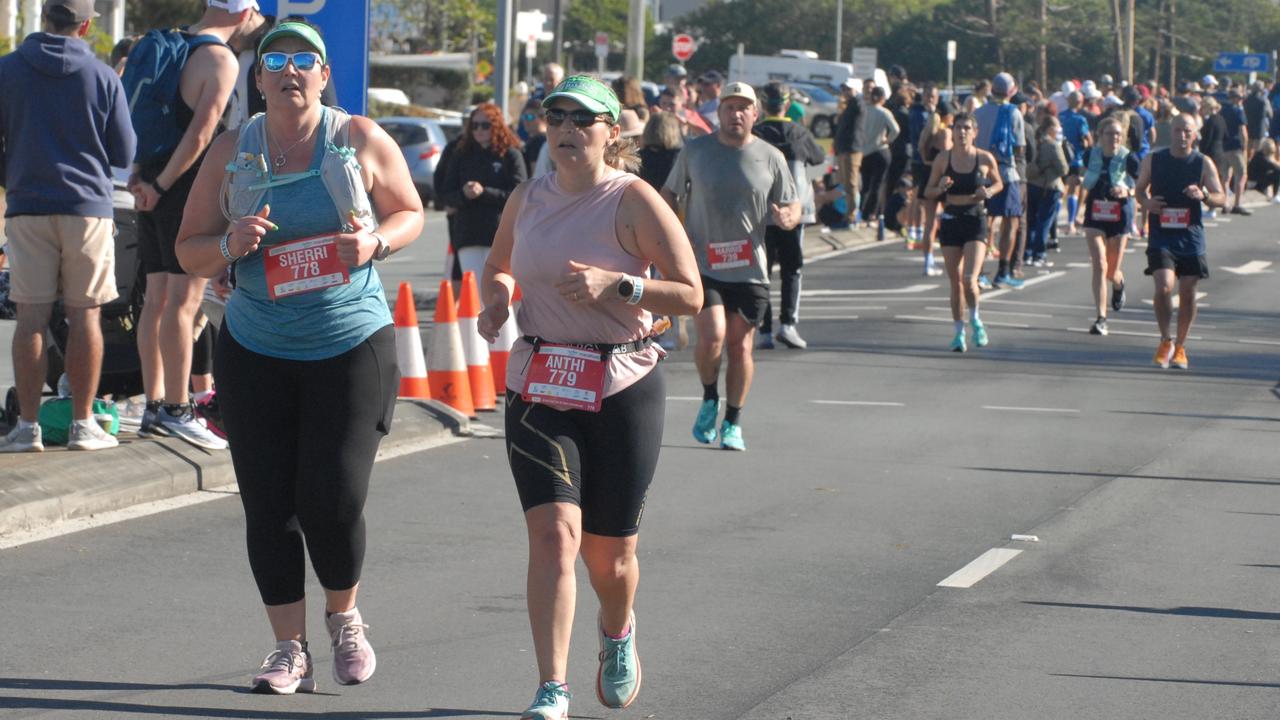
<point x="730" y="184"/>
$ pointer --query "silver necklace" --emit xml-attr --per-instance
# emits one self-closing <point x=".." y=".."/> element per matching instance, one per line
<point x="280" y="159"/>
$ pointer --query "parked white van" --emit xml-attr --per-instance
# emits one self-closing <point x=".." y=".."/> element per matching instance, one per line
<point x="757" y="70"/>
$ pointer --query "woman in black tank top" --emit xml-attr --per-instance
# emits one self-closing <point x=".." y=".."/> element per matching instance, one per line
<point x="965" y="176"/>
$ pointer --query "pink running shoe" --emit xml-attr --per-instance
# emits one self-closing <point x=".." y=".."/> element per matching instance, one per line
<point x="353" y="658"/>
<point x="285" y="671"/>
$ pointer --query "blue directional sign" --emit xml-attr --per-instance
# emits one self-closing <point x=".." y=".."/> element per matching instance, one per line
<point x="1228" y="62"/>
<point x="344" y="25"/>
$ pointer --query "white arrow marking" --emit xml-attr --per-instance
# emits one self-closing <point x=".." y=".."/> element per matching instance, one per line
<point x="1253" y="267"/>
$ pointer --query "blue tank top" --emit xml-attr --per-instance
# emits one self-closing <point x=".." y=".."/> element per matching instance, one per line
<point x="309" y="326"/>
<point x="1169" y="177"/>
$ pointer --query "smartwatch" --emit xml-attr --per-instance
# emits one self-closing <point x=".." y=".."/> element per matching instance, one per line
<point x="630" y="289"/>
<point x="384" y="247"/>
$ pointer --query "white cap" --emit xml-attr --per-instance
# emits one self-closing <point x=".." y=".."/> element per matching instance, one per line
<point x="1068" y="87"/>
<point x="852" y="84"/>
<point x="1090" y="90"/>
<point x="1208" y="80"/>
<point x="738" y="89"/>
<point x="234" y="6"/>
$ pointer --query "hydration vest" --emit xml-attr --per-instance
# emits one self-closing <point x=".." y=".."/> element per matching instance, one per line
<point x="248" y="176"/>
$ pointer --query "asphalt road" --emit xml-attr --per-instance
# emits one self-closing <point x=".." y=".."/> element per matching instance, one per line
<point x="799" y="579"/>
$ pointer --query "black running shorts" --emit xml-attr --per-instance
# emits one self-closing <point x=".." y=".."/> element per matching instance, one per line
<point x="602" y="462"/>
<point x="750" y="300"/>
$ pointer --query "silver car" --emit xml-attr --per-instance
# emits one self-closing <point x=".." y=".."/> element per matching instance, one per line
<point x="822" y="107"/>
<point x="422" y="140"/>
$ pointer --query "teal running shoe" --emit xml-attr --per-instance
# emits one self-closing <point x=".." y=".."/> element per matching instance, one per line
<point x="980" y="334"/>
<point x="957" y="343"/>
<point x="731" y="437"/>
<point x="704" y="428"/>
<point x="618" y="681"/>
<point x="550" y="703"/>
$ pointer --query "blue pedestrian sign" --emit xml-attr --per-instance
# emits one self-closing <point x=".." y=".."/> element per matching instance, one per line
<point x="344" y="24"/>
<point x="1239" y="62"/>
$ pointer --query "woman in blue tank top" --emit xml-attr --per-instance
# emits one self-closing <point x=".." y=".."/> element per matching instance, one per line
<point x="306" y="362"/>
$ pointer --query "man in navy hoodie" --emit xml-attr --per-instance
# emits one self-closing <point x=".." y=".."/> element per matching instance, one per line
<point x="64" y="123"/>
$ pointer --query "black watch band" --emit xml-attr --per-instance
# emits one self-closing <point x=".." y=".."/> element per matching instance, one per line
<point x="156" y="184"/>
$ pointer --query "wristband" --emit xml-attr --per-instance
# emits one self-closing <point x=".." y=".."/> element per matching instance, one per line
<point x="159" y="190"/>
<point x="226" y="252"/>
<point x="637" y="290"/>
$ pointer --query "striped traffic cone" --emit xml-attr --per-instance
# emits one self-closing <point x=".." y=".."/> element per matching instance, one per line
<point x="474" y="347"/>
<point x="413" y="369"/>
<point x="500" y="350"/>
<point x="446" y="362"/>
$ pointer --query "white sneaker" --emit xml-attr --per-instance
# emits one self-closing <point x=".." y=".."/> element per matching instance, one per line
<point x="89" y="436"/>
<point x="787" y="335"/>
<point x="25" y="439"/>
<point x="187" y="427"/>
<point x="932" y="271"/>
<point x="1275" y="200"/>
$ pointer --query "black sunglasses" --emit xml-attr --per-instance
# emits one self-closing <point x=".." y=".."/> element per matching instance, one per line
<point x="580" y="118"/>
<point x="481" y="126"/>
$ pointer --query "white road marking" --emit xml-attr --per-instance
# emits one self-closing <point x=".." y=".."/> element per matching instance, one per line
<point x="989" y="323"/>
<point x="1011" y="408"/>
<point x="858" y="402"/>
<point x="988" y="294"/>
<point x="986" y="311"/>
<point x="886" y="291"/>
<point x="810" y="318"/>
<point x="1253" y="267"/>
<point x="1130" y="333"/>
<point x="684" y="398"/>
<point x="887" y="242"/>
<point x="1178" y="301"/>
<point x="1039" y="304"/>
<point x="1258" y="342"/>
<point x="1079" y="265"/>
<point x="985" y="564"/>
<point x="1150" y="322"/>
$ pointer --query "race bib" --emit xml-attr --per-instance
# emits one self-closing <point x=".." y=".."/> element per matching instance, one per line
<point x="303" y="266"/>
<point x="565" y="376"/>
<point x="1175" y="218"/>
<point x="730" y="254"/>
<point x="1106" y="210"/>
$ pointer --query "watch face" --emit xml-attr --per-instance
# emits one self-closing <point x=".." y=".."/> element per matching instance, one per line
<point x="625" y="288"/>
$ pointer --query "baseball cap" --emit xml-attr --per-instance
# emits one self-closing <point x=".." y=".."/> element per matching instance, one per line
<point x="589" y="93"/>
<point x="712" y="76"/>
<point x="234" y="6"/>
<point x="1208" y="80"/>
<point x="1106" y="80"/>
<point x="738" y="89"/>
<point x="1019" y="99"/>
<point x="1068" y="87"/>
<point x="70" y="10"/>
<point x="677" y="70"/>
<point x="300" y="30"/>
<point x="1002" y="84"/>
<point x="1131" y="94"/>
<point x="1090" y="90"/>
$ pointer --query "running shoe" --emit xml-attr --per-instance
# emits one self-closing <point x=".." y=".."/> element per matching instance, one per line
<point x="1179" y="357"/>
<point x="766" y="340"/>
<point x="731" y="436"/>
<point x="957" y="342"/>
<point x="1163" y="353"/>
<point x="1099" y="327"/>
<point x="184" y="425"/>
<point x="1117" y="297"/>
<point x="209" y="411"/>
<point x="89" y="436"/>
<point x="787" y="335"/>
<point x="1210" y="214"/>
<point x="150" y="425"/>
<point x="1241" y="211"/>
<point x="932" y="271"/>
<point x="23" y="439"/>
<point x="980" y="338"/>
<point x="285" y="671"/>
<point x="1275" y="200"/>
<point x="1054" y="245"/>
<point x="984" y="282"/>
<point x="1008" y="281"/>
<point x="618" y="681"/>
<point x="704" y="428"/>
<point x="550" y="703"/>
<point x="353" y="658"/>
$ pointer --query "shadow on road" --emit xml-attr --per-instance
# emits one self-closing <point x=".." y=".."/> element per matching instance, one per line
<point x="1185" y="611"/>
<point x="1234" y="683"/>
<point x="1180" y="478"/>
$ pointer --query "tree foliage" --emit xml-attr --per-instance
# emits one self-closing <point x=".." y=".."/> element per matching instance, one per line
<point x="143" y="16"/>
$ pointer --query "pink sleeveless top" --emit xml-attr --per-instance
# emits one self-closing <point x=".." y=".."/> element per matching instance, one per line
<point x="554" y="227"/>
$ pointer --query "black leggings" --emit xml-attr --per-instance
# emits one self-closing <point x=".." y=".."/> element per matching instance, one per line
<point x="784" y="248"/>
<point x="202" y="352"/>
<point x="874" y="166"/>
<point x="303" y="438"/>
<point x="602" y="462"/>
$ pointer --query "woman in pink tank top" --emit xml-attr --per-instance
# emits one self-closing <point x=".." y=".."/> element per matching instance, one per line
<point x="585" y="396"/>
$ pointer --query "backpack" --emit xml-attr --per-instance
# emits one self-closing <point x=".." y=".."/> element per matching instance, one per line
<point x="151" y="80"/>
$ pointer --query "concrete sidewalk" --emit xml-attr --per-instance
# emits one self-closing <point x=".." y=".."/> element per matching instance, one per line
<point x="40" y="489"/>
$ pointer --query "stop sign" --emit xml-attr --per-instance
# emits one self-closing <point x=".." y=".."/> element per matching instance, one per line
<point x="682" y="46"/>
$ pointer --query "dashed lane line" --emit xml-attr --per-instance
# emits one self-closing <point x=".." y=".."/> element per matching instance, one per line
<point x="1014" y="408"/>
<point x="985" y="564"/>
<point x="871" y="403"/>
<point x="987" y="311"/>
<point x="990" y="323"/>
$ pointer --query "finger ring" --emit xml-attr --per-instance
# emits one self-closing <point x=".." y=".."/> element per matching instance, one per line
<point x="575" y="296"/>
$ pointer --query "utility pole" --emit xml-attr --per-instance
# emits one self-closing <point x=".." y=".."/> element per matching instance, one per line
<point x="558" y="31"/>
<point x="502" y="57"/>
<point x="1173" y="47"/>
<point x="1129" y="64"/>
<point x="839" y="28"/>
<point x="1044" y="45"/>
<point x="635" y="41"/>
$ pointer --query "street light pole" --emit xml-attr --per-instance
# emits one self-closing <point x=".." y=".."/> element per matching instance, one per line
<point x="635" y="40"/>
<point x="839" y="27"/>
<point x="502" y="57"/>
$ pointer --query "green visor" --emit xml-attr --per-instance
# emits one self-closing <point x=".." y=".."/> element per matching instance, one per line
<point x="302" y="31"/>
<point x="588" y="92"/>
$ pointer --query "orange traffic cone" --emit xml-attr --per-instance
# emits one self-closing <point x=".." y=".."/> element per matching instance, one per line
<point x="500" y="349"/>
<point x="446" y="363"/>
<point x="449" y="259"/>
<point x="474" y="347"/>
<point x="413" y="369"/>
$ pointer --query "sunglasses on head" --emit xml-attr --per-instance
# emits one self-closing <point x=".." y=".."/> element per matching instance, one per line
<point x="580" y="118"/>
<point x="276" y="61"/>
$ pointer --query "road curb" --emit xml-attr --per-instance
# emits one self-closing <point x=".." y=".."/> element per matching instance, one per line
<point x="41" y="489"/>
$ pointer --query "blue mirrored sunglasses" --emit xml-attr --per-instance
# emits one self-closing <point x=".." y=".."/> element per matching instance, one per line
<point x="303" y="61"/>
